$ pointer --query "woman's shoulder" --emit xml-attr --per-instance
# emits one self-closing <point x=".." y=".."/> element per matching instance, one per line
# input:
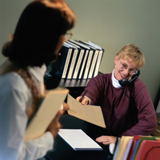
<point x="104" y="76"/>
<point x="139" y="83"/>
<point x="139" y="87"/>
<point x="14" y="89"/>
<point x="12" y="80"/>
<point x="100" y="80"/>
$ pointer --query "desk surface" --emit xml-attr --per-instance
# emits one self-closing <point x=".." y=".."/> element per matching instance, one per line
<point x="62" y="150"/>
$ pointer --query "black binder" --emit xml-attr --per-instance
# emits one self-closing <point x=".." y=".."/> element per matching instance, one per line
<point x="59" y="67"/>
<point x="84" y="72"/>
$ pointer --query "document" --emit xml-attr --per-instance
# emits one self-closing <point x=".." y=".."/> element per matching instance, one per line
<point x="89" y="113"/>
<point x="46" y="112"/>
<point x="78" y="140"/>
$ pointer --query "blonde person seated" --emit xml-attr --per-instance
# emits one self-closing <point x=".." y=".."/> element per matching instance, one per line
<point x="126" y="104"/>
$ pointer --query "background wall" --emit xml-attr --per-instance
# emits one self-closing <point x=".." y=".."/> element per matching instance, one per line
<point x="110" y="24"/>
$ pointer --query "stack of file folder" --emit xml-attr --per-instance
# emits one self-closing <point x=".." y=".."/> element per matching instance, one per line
<point x="78" y="62"/>
<point x="137" y="148"/>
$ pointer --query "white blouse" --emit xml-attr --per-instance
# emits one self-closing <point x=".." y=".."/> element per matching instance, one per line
<point x="15" y="97"/>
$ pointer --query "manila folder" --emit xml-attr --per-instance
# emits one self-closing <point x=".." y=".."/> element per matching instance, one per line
<point x="46" y="112"/>
<point x="89" y="113"/>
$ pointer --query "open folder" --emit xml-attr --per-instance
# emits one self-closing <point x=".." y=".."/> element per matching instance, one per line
<point x="89" y="113"/>
<point x="45" y="113"/>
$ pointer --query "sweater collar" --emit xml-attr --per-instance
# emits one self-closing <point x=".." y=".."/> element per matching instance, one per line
<point x="115" y="82"/>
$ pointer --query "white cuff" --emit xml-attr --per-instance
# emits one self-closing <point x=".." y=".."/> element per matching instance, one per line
<point x="111" y="147"/>
<point x="61" y="107"/>
<point x="89" y="100"/>
<point x="49" y="139"/>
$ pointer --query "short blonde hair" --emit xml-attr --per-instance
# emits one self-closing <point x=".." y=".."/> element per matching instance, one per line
<point x="133" y="53"/>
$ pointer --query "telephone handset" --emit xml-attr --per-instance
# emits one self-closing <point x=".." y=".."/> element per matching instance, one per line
<point x="126" y="82"/>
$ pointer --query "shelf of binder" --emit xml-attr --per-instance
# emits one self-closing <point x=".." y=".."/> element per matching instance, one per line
<point x="77" y="63"/>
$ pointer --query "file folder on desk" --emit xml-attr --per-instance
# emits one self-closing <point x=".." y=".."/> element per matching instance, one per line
<point x="133" y="146"/>
<point x="123" y="146"/>
<point x="138" y="148"/>
<point x="139" y="143"/>
<point x="78" y="140"/>
<point x="149" y="150"/>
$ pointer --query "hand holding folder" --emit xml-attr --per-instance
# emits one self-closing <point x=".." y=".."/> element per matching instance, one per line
<point x="55" y="125"/>
<point x="81" y="98"/>
<point x="89" y="113"/>
<point x="46" y="113"/>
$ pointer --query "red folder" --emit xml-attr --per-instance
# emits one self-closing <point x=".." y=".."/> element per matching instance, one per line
<point x="149" y="150"/>
<point x="134" y="142"/>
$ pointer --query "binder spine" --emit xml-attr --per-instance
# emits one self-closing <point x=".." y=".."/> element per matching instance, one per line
<point x="72" y="64"/>
<point x="83" y="64"/>
<point x="88" y="64"/>
<point x="98" y="63"/>
<point x="93" y="64"/>
<point x="78" y="64"/>
<point x="67" y="63"/>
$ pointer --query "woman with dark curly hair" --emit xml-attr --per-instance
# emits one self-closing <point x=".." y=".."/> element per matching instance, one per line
<point x="38" y="37"/>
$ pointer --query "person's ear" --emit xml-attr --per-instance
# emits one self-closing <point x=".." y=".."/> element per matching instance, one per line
<point x="11" y="36"/>
<point x="115" y="60"/>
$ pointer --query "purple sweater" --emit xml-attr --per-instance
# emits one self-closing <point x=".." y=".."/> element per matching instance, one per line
<point x="123" y="116"/>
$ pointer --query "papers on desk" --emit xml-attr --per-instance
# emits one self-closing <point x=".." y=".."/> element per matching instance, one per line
<point x="89" y="113"/>
<point x="46" y="112"/>
<point x="78" y="140"/>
